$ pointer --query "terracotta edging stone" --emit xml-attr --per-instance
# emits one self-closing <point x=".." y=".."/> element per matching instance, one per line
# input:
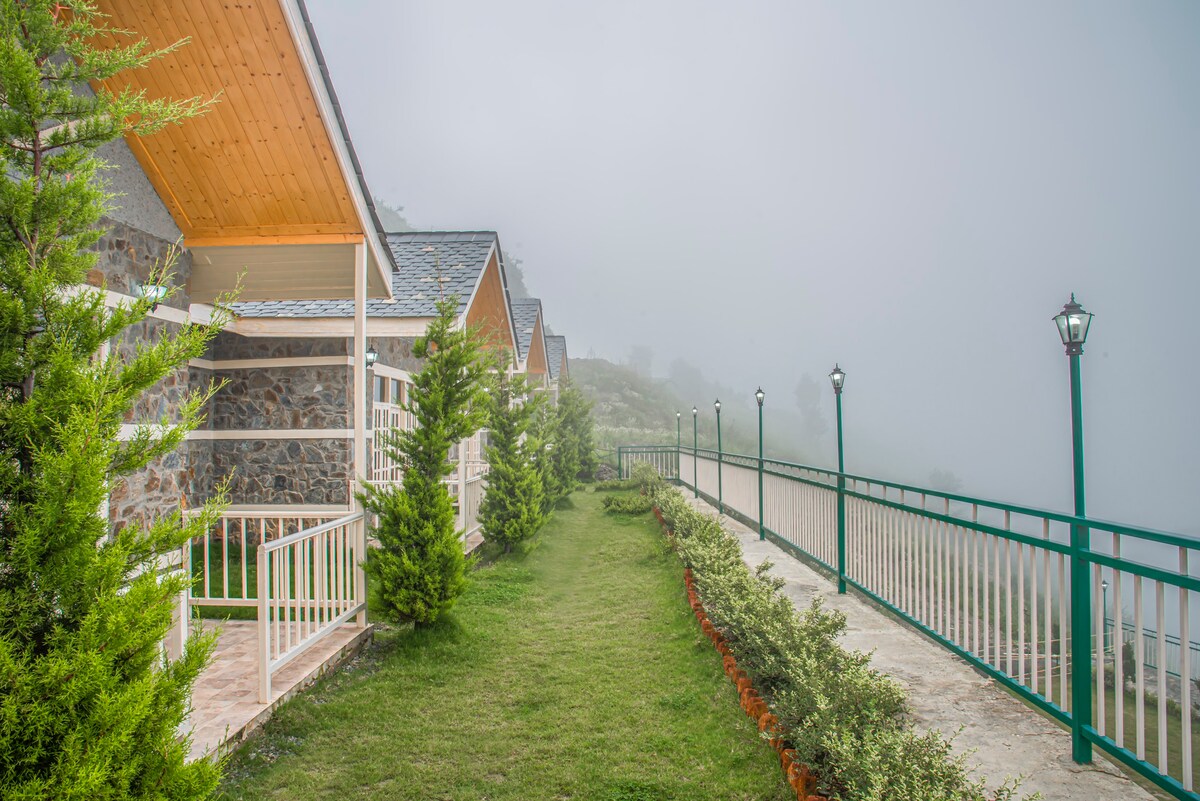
<point x="798" y="776"/>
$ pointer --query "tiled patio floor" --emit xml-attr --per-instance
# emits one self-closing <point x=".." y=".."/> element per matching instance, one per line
<point x="225" y="705"/>
<point x="472" y="542"/>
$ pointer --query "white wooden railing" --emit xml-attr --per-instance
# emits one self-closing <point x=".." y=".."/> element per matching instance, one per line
<point x="300" y="569"/>
<point x="309" y="583"/>
<point x="385" y="418"/>
<point x="222" y="561"/>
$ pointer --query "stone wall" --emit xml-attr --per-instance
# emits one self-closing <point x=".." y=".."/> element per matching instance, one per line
<point x="397" y="352"/>
<point x="228" y="345"/>
<point x="299" y="397"/>
<point x="126" y="256"/>
<point x="314" y="471"/>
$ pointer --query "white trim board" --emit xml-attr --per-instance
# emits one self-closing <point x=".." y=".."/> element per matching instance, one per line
<point x="203" y="434"/>
<point x="112" y="299"/>
<point x="331" y="327"/>
<point x="391" y="372"/>
<point x="283" y="361"/>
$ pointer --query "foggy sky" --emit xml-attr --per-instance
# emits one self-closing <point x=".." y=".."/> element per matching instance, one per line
<point x="910" y="189"/>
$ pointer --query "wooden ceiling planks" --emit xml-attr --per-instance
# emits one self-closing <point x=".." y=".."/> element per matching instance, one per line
<point x="260" y="163"/>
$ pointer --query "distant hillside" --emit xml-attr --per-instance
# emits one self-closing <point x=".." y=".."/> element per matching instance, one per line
<point x="631" y="408"/>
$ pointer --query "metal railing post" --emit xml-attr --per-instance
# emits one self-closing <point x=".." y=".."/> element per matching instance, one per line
<point x="841" y="500"/>
<point x="720" y="460"/>
<point x="1081" y="605"/>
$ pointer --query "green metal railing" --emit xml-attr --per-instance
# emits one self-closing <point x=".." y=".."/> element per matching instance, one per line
<point x="996" y="584"/>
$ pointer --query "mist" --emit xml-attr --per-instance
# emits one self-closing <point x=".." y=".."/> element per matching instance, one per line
<point x="764" y="189"/>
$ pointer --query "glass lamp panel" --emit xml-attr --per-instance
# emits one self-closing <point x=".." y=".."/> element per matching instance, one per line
<point x="1063" y="332"/>
<point x="1078" y="326"/>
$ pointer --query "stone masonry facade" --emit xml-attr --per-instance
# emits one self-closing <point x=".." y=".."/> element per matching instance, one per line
<point x="271" y="468"/>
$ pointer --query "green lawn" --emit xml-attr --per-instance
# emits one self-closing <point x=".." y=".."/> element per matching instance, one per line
<point x="574" y="670"/>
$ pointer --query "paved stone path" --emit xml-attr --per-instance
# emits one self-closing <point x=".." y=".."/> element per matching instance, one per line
<point x="1008" y="738"/>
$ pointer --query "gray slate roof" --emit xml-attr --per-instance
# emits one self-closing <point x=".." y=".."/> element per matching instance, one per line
<point x="556" y="353"/>
<point x="525" y="313"/>
<point x="462" y="256"/>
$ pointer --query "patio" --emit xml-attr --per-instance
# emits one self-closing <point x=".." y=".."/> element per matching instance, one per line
<point x="225" y="707"/>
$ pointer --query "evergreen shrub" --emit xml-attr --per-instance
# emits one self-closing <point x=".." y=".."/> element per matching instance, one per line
<point x="845" y="720"/>
<point x="627" y="504"/>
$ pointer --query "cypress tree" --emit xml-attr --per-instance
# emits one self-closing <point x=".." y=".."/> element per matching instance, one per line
<point x="574" y="453"/>
<point x="418" y="566"/>
<point x="512" y="509"/>
<point x="540" y="444"/>
<point x="89" y="706"/>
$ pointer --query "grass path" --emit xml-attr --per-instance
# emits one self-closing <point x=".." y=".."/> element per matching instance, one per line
<point x="572" y="671"/>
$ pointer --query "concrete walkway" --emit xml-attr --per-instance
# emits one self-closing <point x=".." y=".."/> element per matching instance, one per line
<point x="1008" y="738"/>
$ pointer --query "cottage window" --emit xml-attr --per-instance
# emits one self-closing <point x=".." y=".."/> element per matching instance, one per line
<point x="379" y="389"/>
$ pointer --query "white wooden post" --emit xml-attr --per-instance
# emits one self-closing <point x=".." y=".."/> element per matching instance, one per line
<point x="360" y="416"/>
<point x="462" y="485"/>
<point x="360" y="467"/>
<point x="360" y="576"/>
<point x="264" y="625"/>
<point x="177" y="637"/>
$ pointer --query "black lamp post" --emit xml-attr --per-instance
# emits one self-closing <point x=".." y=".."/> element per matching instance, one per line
<point x="720" y="459"/>
<point x="695" y="455"/>
<point x="838" y="378"/>
<point x="1073" y="323"/>
<point x="759" y="396"/>
<point x="678" y="443"/>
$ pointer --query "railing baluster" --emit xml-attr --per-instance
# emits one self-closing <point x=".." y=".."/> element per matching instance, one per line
<point x="1097" y="602"/>
<point x="1048" y="614"/>
<point x="1118" y="649"/>
<point x="1185" y="674"/>
<point x="1160" y="609"/>
<point x="207" y="567"/>
<point x="1139" y="660"/>
<point x="1021" y="612"/>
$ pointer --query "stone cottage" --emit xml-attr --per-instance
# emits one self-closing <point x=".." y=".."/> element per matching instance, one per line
<point x="556" y="357"/>
<point x="531" y="342"/>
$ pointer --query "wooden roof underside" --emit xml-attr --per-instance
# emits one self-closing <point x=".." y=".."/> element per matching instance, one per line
<point x="260" y="168"/>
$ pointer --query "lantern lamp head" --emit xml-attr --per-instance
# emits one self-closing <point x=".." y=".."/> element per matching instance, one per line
<point x="837" y="378"/>
<point x="717" y="405"/>
<point x="372" y="356"/>
<point x="759" y="396"/>
<point x="153" y="292"/>
<point x="1073" y="323"/>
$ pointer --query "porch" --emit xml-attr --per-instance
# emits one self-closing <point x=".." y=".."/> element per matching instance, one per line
<point x="225" y="703"/>
<point x="308" y="610"/>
